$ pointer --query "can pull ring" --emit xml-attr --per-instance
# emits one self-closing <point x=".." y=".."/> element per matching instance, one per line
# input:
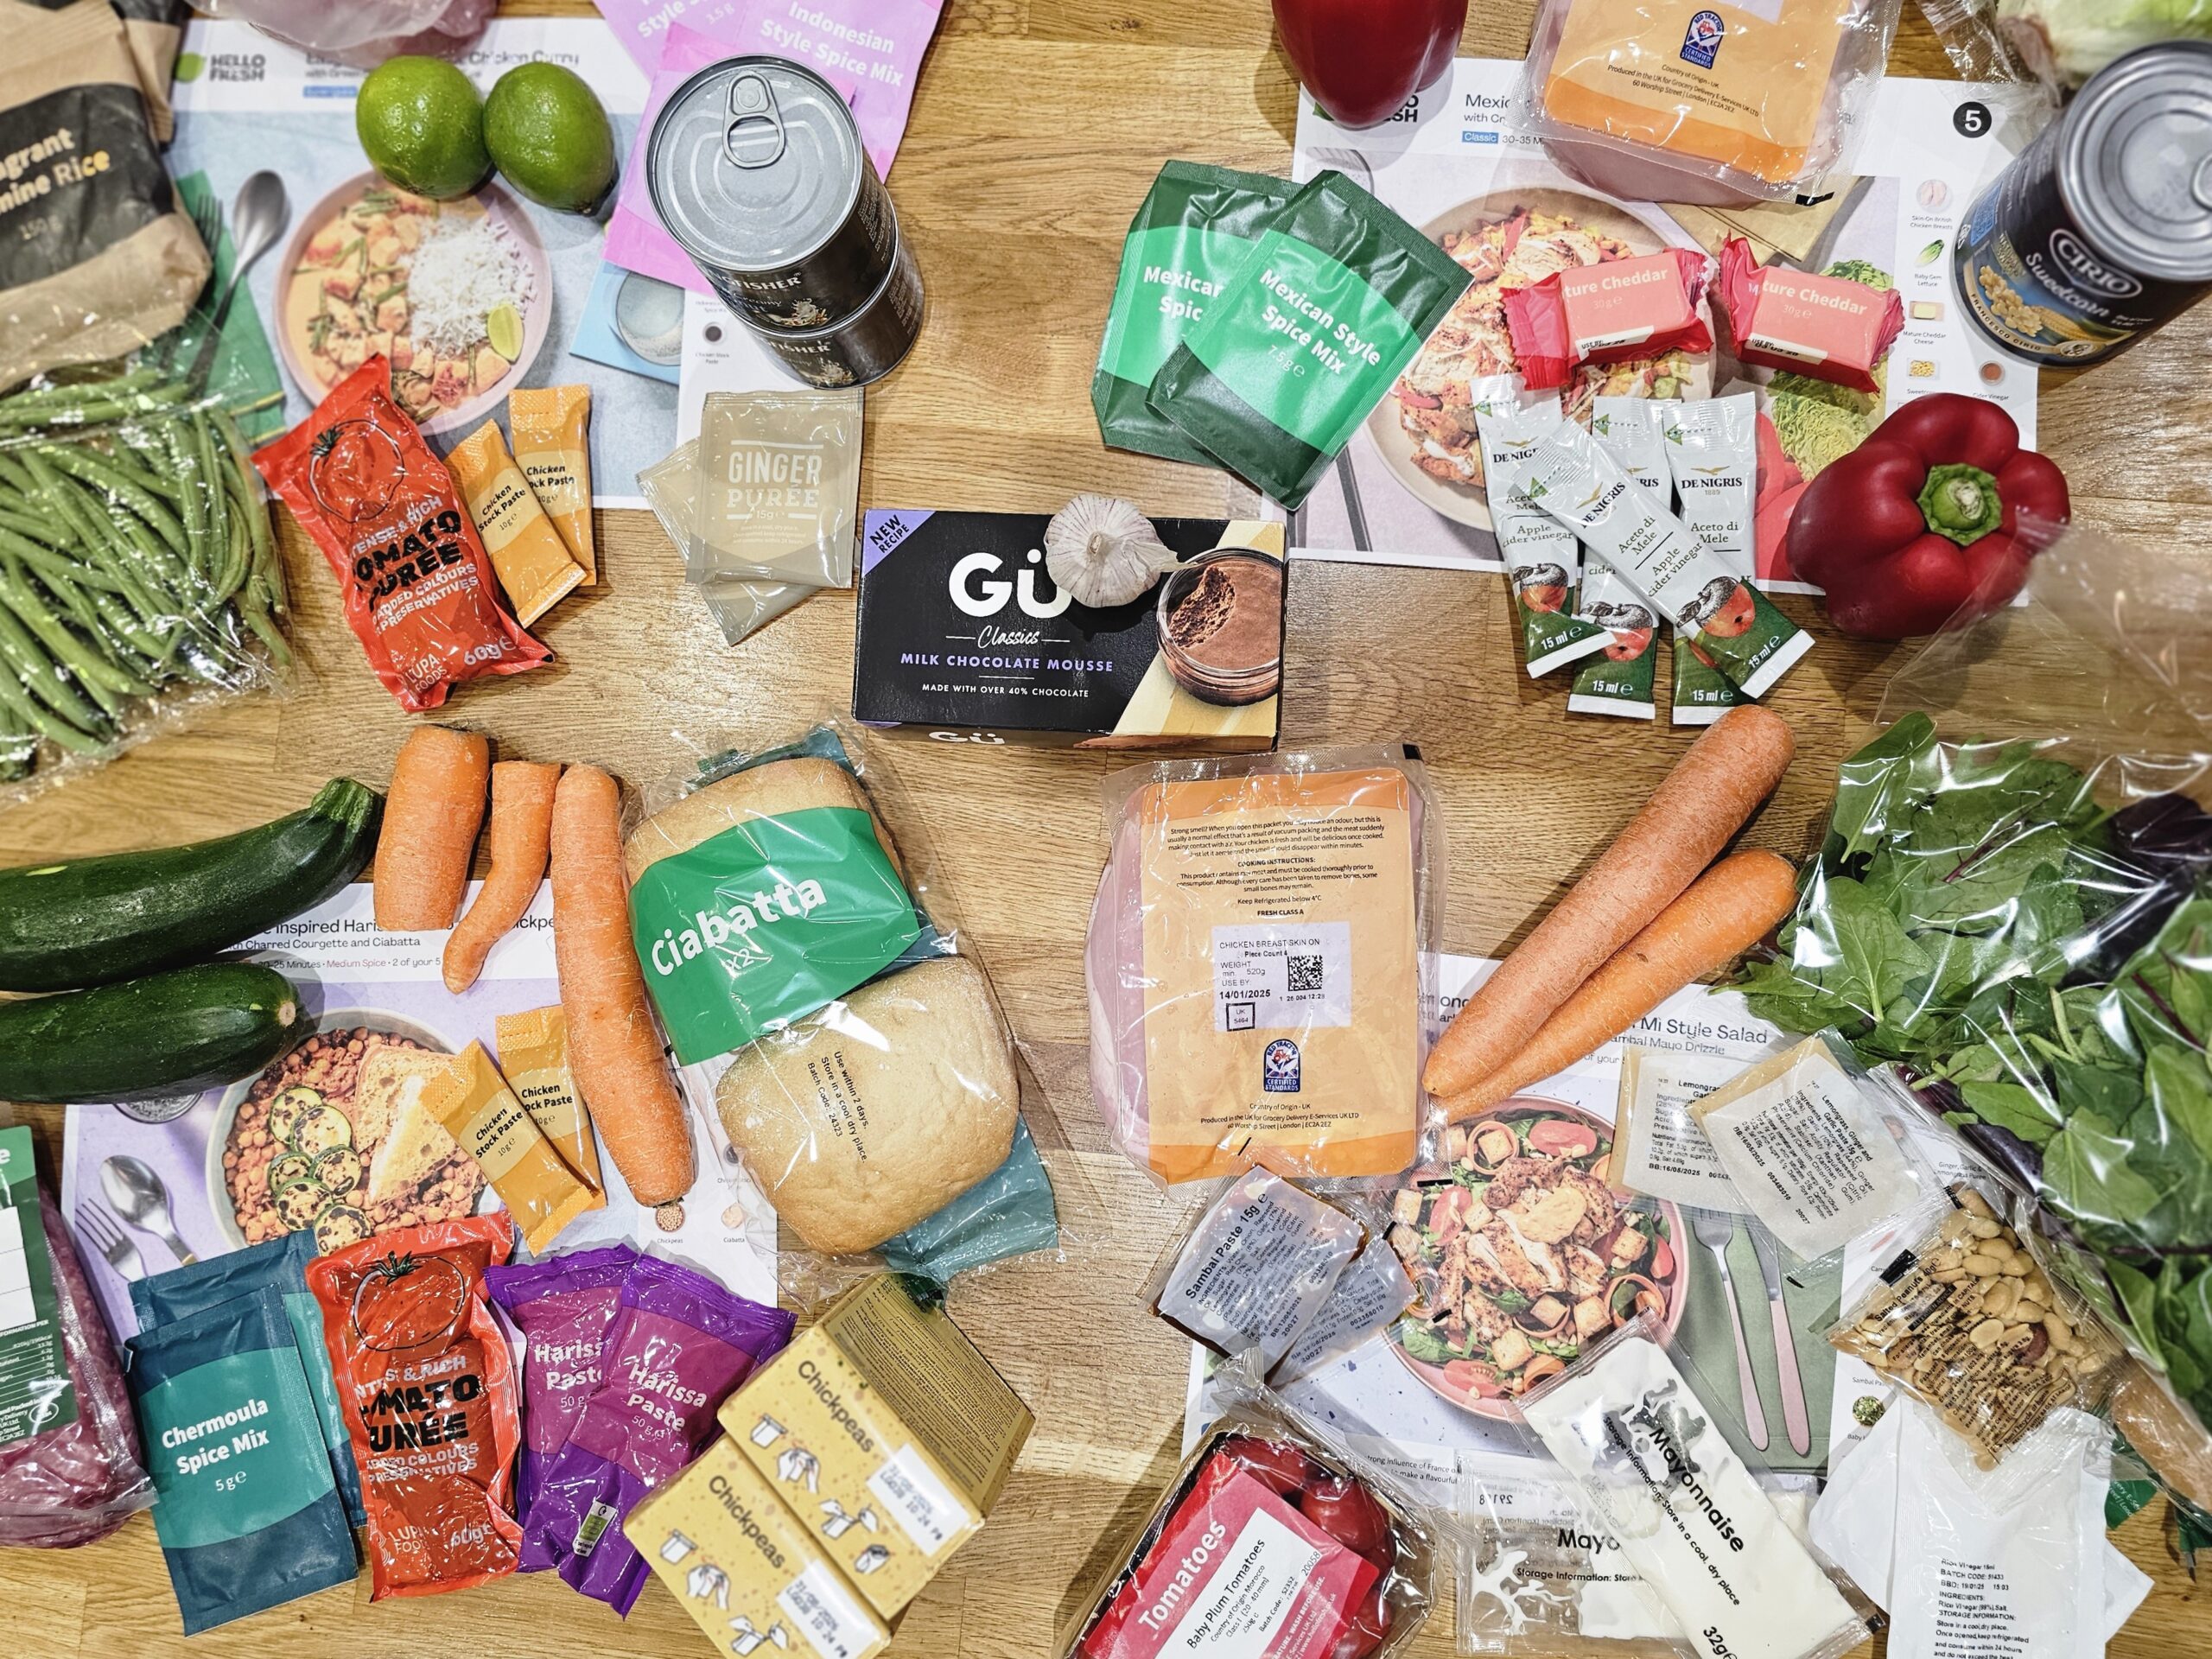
<point x="754" y="138"/>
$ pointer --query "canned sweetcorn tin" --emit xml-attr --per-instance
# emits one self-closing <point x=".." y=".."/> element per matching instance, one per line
<point x="866" y="345"/>
<point x="2102" y="229"/>
<point x="756" y="168"/>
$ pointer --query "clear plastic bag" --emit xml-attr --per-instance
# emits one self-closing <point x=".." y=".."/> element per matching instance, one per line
<point x="363" y="33"/>
<point x="1272" y="1513"/>
<point x="1658" y="1470"/>
<point x="2013" y="907"/>
<point x="740" y="607"/>
<point x="140" y="578"/>
<point x="2057" y="43"/>
<point x="1666" y="100"/>
<point x="871" y="1091"/>
<point x="1259" y="952"/>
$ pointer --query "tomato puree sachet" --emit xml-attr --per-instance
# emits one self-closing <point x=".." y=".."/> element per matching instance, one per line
<point x="679" y="1345"/>
<point x="430" y="1393"/>
<point x="382" y="508"/>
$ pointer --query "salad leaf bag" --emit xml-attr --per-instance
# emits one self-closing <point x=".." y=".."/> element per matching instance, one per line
<point x="2012" y="910"/>
<point x="1302" y="342"/>
<point x="1196" y="226"/>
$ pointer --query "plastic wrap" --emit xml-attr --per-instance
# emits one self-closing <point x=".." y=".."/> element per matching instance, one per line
<point x="140" y="580"/>
<point x="870" y="1089"/>
<point x="779" y="484"/>
<point x="2012" y="908"/>
<point x="1671" y="100"/>
<point x="363" y="33"/>
<point x="1658" y="1470"/>
<point x="77" y="1483"/>
<point x="1260" y="952"/>
<point x="1272" y="1530"/>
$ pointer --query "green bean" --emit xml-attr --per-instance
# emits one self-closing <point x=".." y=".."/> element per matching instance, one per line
<point x="236" y="550"/>
<point x="244" y="485"/>
<point x="191" y="506"/>
<point x="45" y="682"/>
<point x="103" y="683"/>
<point x="15" y="698"/>
<point x="105" y="473"/>
<point x="35" y="396"/>
<point x="61" y="419"/>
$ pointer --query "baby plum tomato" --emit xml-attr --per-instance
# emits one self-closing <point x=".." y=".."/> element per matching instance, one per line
<point x="1283" y="1469"/>
<point x="1369" y="1626"/>
<point x="1348" y="1512"/>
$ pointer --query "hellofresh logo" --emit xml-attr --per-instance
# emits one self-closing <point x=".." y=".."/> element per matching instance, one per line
<point x="730" y="931"/>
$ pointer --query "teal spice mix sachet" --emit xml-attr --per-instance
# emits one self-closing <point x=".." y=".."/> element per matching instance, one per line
<point x="1195" y="228"/>
<point x="1306" y="337"/>
<point x="246" y="1507"/>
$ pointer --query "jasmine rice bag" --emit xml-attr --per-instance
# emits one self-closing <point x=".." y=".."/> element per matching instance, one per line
<point x="1306" y="337"/>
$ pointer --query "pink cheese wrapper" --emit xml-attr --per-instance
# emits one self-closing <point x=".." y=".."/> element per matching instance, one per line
<point x="564" y="1307"/>
<point x="679" y="1345"/>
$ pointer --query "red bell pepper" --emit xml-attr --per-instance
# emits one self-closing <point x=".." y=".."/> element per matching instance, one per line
<point x="1917" y="529"/>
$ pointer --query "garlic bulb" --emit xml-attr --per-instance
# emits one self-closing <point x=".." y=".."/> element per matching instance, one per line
<point x="1100" y="551"/>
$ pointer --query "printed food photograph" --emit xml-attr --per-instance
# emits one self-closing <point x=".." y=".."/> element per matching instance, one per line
<point x="455" y="295"/>
<point x="1424" y="430"/>
<point x="333" y="1139"/>
<point x="1521" y="1256"/>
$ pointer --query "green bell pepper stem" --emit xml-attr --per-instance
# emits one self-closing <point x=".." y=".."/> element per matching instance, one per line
<point x="1960" y="503"/>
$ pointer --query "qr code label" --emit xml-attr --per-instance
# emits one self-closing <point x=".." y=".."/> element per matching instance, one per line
<point x="1274" y="977"/>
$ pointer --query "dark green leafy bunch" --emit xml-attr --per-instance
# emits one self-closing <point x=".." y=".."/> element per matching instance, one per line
<point x="2041" y="970"/>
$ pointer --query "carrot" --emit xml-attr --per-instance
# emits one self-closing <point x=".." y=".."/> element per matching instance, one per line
<point x="522" y="825"/>
<point x="1714" y="787"/>
<point x="1727" y="911"/>
<point x="614" y="1051"/>
<point x="429" y="827"/>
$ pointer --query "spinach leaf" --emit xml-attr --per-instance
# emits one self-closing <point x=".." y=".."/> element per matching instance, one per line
<point x="2012" y="1107"/>
<point x="2086" y="1167"/>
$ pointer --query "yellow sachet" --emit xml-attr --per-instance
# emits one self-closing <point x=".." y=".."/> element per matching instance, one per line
<point x="534" y="1053"/>
<point x="534" y="566"/>
<point x="552" y="446"/>
<point x="471" y="1101"/>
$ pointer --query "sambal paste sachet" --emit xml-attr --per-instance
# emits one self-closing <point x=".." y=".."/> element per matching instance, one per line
<point x="430" y="1396"/>
<point x="384" y="511"/>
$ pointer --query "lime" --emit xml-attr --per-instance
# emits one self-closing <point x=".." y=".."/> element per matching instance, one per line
<point x="549" y="138"/>
<point x="421" y="122"/>
<point x="503" y="327"/>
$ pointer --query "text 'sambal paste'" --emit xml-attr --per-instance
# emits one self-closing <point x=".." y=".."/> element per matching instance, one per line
<point x="429" y="1388"/>
<point x="382" y="508"/>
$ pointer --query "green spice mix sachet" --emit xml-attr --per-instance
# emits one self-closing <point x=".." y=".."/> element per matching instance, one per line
<point x="1195" y="228"/>
<point x="1306" y="337"/>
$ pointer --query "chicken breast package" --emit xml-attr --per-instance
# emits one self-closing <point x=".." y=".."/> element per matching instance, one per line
<point x="1257" y="963"/>
<point x="1681" y="100"/>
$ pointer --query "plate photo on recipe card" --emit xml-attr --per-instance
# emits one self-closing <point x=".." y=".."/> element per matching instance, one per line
<point x="334" y="1138"/>
<point x="461" y="325"/>
<point x="1522" y="1255"/>
<point x="1424" y="430"/>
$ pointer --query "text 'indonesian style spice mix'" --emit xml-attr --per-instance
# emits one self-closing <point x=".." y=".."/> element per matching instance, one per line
<point x="429" y="1391"/>
<point x="384" y="510"/>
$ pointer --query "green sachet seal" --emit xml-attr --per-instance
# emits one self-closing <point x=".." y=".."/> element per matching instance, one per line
<point x="1195" y="228"/>
<point x="766" y="921"/>
<point x="1306" y="337"/>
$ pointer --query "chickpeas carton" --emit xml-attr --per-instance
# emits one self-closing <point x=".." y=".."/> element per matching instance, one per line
<point x="744" y="1567"/>
<point x="885" y="1431"/>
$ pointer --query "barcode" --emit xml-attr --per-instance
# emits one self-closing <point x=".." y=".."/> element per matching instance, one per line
<point x="1306" y="974"/>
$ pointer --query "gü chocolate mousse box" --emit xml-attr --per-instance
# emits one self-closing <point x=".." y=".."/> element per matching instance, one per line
<point x="965" y="638"/>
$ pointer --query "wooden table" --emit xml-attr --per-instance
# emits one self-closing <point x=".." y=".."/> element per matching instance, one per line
<point x="1038" y="126"/>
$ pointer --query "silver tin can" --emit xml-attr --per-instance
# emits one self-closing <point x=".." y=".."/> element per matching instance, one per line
<point x="868" y="345"/>
<point x="757" y="170"/>
<point x="2102" y="229"/>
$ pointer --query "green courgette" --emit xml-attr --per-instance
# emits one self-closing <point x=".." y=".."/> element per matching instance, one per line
<point x="91" y="921"/>
<point x="174" y="1034"/>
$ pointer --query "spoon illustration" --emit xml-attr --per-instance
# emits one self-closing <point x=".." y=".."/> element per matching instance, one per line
<point x="259" y="216"/>
<point x="141" y="1199"/>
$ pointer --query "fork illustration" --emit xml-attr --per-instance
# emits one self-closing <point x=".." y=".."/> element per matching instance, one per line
<point x="104" y="1234"/>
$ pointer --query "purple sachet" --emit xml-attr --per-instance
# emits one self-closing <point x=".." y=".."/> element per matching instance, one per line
<point x="679" y="1345"/>
<point x="563" y="1305"/>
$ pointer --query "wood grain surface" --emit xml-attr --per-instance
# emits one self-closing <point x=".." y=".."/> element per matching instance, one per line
<point x="1037" y="127"/>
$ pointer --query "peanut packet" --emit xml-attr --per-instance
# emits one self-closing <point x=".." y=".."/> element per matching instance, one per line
<point x="534" y="566"/>
<point x="474" y="1105"/>
<point x="1715" y="609"/>
<point x="553" y="447"/>
<point x="534" y="1054"/>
